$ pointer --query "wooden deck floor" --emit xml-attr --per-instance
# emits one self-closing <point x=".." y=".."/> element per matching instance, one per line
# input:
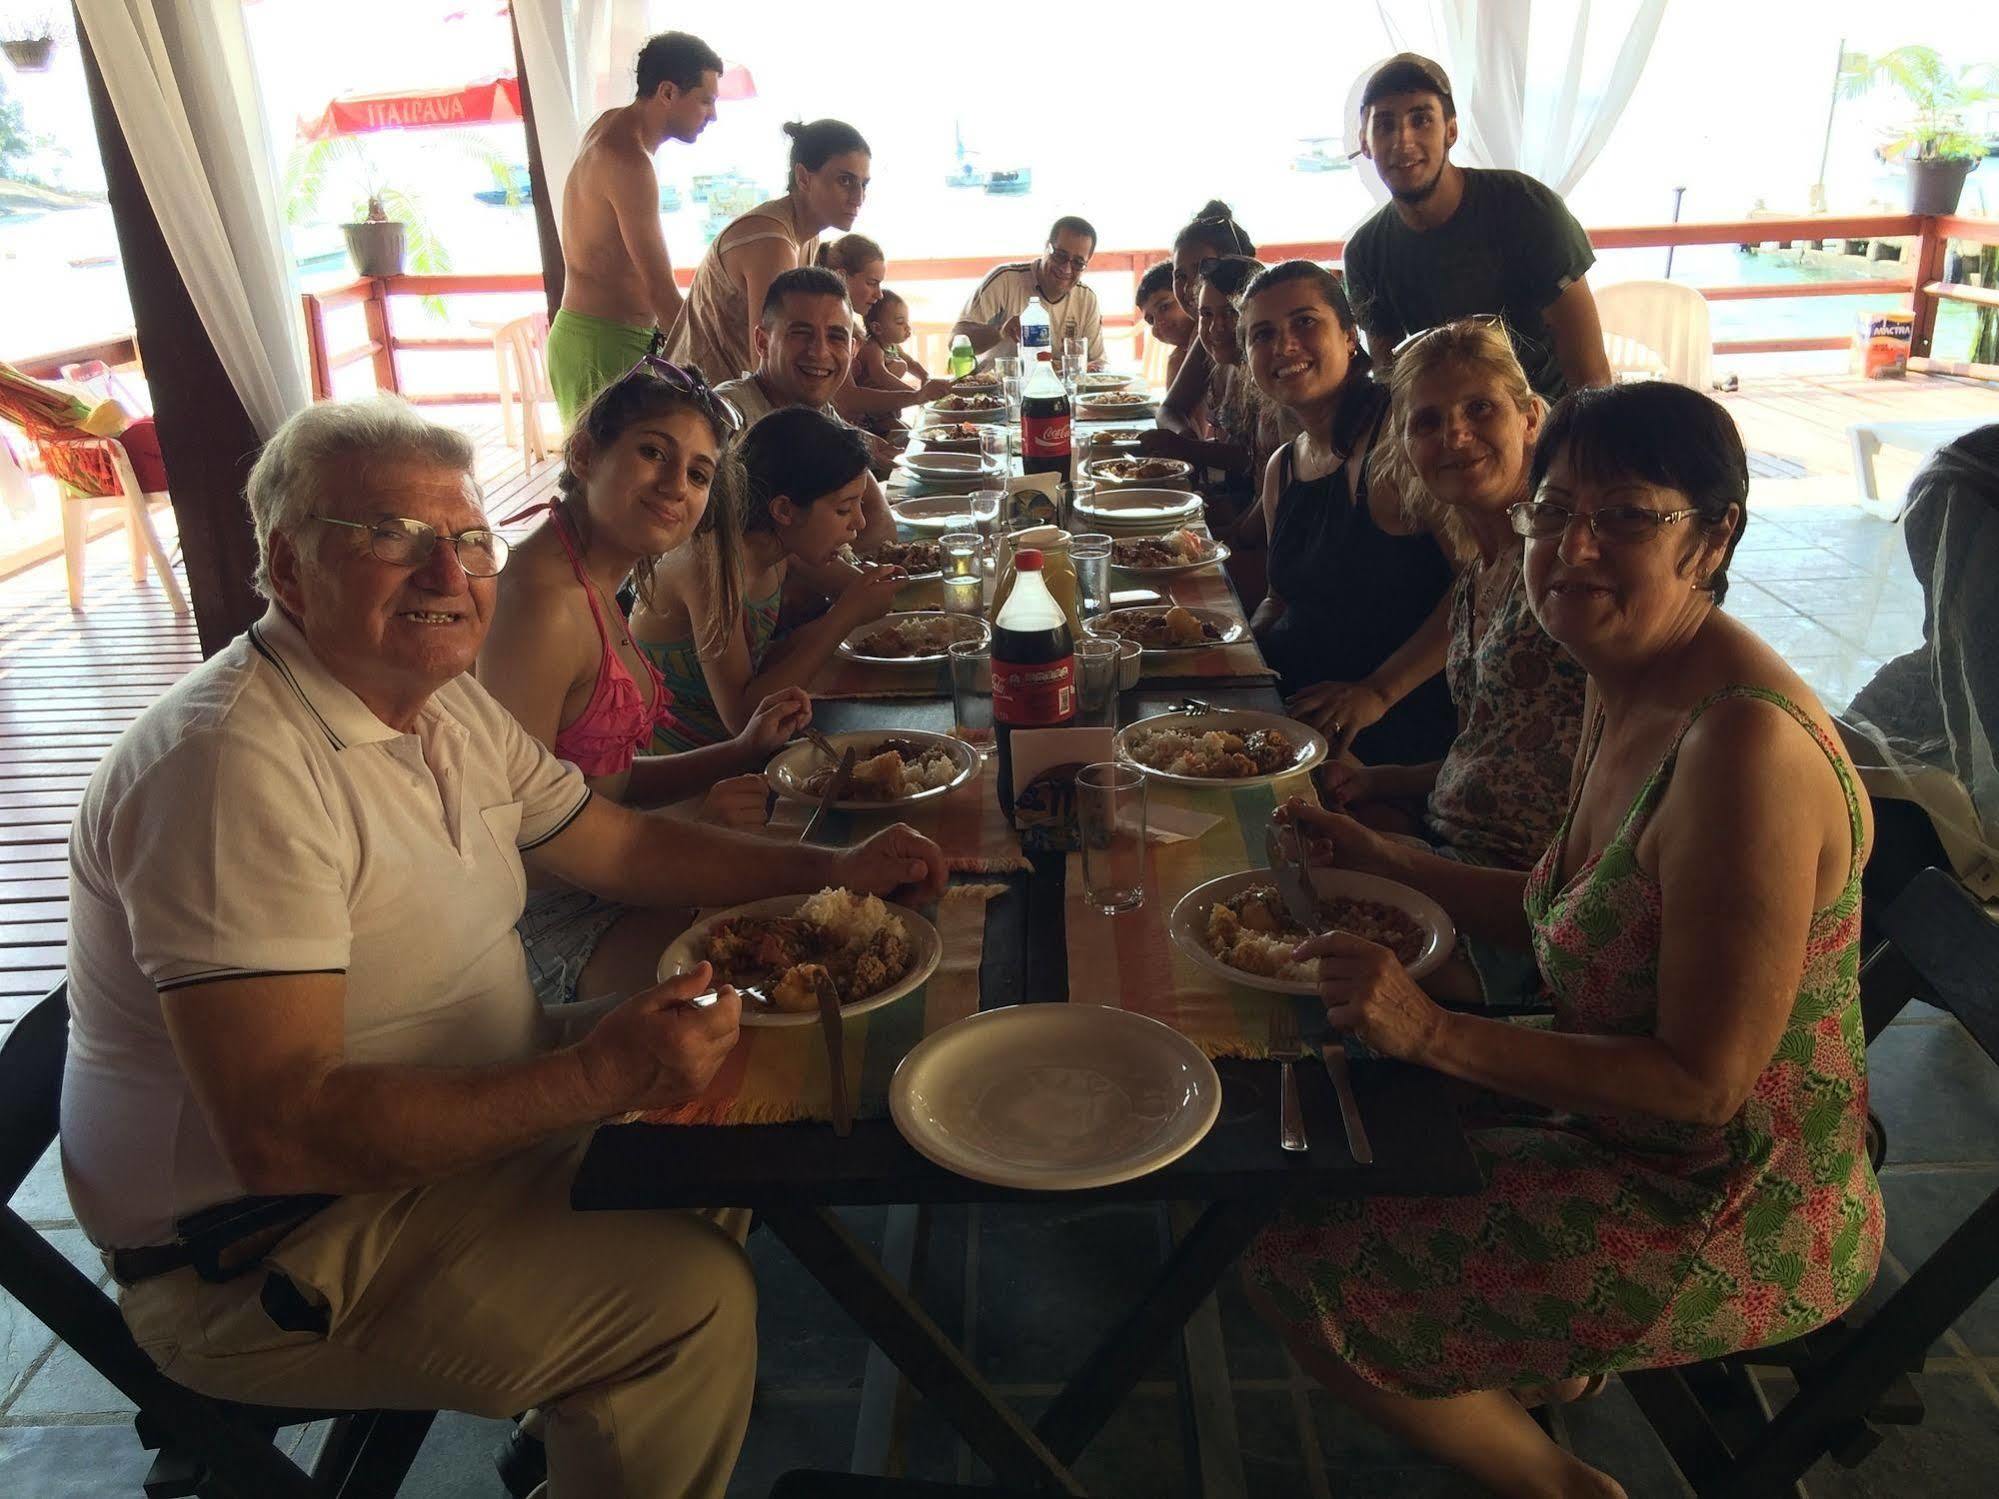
<point x="69" y="683"/>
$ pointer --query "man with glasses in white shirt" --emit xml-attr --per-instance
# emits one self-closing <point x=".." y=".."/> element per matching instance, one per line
<point x="312" y="1111"/>
<point x="991" y="319"/>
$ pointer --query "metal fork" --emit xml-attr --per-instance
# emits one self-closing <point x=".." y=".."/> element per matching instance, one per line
<point x="1287" y="1051"/>
<point x="1195" y="706"/>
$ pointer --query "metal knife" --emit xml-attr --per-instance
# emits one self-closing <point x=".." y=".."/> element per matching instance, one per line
<point x="1288" y="870"/>
<point x="1334" y="1056"/>
<point x="835" y="789"/>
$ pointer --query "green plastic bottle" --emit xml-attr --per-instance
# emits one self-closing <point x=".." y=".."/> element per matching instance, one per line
<point x="963" y="360"/>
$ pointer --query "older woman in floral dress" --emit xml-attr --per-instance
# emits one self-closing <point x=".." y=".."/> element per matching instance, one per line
<point x="1684" y="1173"/>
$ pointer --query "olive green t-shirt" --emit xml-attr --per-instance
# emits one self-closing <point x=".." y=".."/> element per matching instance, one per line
<point x="1511" y="248"/>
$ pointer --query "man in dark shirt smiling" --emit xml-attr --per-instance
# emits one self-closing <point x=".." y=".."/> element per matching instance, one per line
<point x="1456" y="241"/>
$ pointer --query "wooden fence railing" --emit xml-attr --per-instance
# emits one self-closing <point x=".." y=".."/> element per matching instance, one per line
<point x="1923" y="285"/>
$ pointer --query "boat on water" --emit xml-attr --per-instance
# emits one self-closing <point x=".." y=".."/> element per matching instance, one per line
<point x="966" y="173"/>
<point x="519" y="189"/>
<point x="1316" y="158"/>
<point x="1010" y="184"/>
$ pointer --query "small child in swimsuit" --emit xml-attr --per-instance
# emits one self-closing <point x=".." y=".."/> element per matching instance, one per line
<point x="881" y="362"/>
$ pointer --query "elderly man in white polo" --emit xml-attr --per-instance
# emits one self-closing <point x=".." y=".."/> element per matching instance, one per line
<point x="311" y="1106"/>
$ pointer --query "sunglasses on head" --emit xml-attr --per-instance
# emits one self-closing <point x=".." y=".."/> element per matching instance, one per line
<point x="1482" y="319"/>
<point x="1212" y="263"/>
<point x="724" y="410"/>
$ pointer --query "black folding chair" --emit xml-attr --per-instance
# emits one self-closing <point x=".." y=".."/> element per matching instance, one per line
<point x="213" y="1449"/>
<point x="1852" y="1376"/>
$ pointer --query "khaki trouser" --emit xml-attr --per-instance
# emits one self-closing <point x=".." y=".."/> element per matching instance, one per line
<point x="634" y="1332"/>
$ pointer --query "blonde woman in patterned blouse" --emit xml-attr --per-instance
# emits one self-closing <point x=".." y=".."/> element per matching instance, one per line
<point x="1461" y="438"/>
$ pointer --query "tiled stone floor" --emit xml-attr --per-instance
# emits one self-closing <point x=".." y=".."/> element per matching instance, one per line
<point x="1029" y="1289"/>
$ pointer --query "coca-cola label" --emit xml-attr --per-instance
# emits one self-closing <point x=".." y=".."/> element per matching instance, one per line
<point x="1044" y="436"/>
<point x="1034" y="696"/>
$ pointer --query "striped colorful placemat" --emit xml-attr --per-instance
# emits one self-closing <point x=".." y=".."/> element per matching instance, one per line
<point x="779" y="1074"/>
<point x="1205" y="588"/>
<point x="1130" y="961"/>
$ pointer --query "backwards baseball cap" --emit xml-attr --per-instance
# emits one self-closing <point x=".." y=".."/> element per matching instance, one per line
<point x="1407" y="73"/>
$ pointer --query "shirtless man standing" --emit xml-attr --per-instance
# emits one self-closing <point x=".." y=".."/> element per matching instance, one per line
<point x="617" y="281"/>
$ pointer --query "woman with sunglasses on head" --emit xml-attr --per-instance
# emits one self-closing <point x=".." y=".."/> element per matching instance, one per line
<point x="645" y="470"/>
<point x="1686" y="1174"/>
<point x="712" y="611"/>
<point x="1458" y="447"/>
<point x="1357" y="612"/>
<point x="827" y="182"/>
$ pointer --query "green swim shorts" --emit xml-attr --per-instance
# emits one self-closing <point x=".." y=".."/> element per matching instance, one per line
<point x="586" y="353"/>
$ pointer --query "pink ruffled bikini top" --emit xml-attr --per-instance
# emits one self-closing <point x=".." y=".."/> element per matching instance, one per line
<point x="616" y="723"/>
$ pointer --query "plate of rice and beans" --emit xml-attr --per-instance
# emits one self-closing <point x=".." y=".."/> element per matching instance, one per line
<point x="1237" y="928"/>
<point x="873" y="953"/>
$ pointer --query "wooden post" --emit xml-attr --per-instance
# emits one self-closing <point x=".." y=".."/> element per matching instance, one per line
<point x="1930" y="247"/>
<point x="317" y="359"/>
<point x="206" y="437"/>
<point x="546" y="234"/>
<point x="376" y="311"/>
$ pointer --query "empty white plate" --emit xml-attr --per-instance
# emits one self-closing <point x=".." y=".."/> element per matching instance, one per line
<point x="1054" y="1097"/>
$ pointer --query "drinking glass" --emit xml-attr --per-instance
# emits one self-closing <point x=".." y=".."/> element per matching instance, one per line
<point x="1078" y="495"/>
<point x="1075" y="356"/>
<point x="971" y="663"/>
<point x="958" y="553"/>
<point x="1091" y="553"/>
<point x="1010" y="393"/>
<point x="965" y="596"/>
<point x="993" y="449"/>
<point x="1110" y="815"/>
<point x="985" y="507"/>
<point x="1097" y="683"/>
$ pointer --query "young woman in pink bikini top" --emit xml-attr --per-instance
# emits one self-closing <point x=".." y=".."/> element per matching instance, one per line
<point x="645" y="469"/>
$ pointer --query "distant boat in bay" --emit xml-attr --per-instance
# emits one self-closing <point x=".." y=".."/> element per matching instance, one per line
<point x="1010" y="184"/>
<point x="1316" y="158"/>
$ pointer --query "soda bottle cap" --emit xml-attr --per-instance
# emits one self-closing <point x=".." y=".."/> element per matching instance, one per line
<point x="1027" y="561"/>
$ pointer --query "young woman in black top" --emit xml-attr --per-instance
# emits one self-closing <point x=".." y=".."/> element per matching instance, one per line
<point x="1356" y="618"/>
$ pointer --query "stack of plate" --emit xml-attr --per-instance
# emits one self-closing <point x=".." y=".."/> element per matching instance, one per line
<point x="934" y="514"/>
<point x="1114" y="406"/>
<point x="1138" y="512"/>
<point x="955" y="473"/>
<point x="996" y="412"/>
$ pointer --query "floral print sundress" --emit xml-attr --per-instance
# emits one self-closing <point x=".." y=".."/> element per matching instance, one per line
<point x="1602" y="1242"/>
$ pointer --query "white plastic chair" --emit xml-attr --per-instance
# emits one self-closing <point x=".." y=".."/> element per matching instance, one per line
<point x="17" y="496"/>
<point x="1657" y="329"/>
<point x="520" y="352"/>
<point x="145" y="541"/>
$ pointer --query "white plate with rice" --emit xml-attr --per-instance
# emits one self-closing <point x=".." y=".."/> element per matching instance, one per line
<point x="922" y="635"/>
<point x="936" y="764"/>
<point x="1174" y="744"/>
<point x="1190" y="927"/>
<point x="861" y="915"/>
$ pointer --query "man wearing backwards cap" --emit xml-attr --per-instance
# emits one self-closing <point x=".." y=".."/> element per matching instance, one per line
<point x="1456" y="241"/>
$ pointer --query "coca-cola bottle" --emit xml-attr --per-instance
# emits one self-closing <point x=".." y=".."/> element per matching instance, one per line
<point x="1044" y="423"/>
<point x="1034" y="665"/>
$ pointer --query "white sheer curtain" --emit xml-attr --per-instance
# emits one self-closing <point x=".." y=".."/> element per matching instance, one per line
<point x="579" y="56"/>
<point x="1538" y="86"/>
<point x="179" y="76"/>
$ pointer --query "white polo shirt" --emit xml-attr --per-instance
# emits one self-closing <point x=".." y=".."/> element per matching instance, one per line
<point x="260" y="819"/>
<point x="755" y="404"/>
<point x="1008" y="289"/>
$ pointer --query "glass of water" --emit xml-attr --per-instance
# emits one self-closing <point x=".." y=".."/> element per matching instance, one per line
<point x="1097" y="683"/>
<point x="993" y="449"/>
<point x="1110" y="815"/>
<point x="1091" y="553"/>
<point x="971" y="664"/>
<point x="985" y="507"/>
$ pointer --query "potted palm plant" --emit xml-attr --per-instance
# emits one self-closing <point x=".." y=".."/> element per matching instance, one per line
<point x="390" y="231"/>
<point x="28" y="37"/>
<point x="1935" y="148"/>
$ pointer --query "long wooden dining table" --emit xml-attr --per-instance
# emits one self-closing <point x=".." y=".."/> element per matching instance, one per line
<point x="794" y="1175"/>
